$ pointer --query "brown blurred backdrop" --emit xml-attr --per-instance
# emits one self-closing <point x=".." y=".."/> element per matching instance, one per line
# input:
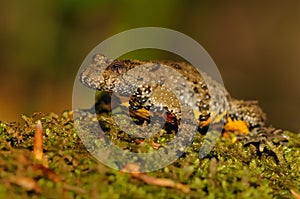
<point x="255" y="45"/>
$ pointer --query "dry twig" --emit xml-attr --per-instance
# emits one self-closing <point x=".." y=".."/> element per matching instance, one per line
<point x="295" y="194"/>
<point x="133" y="169"/>
<point x="38" y="141"/>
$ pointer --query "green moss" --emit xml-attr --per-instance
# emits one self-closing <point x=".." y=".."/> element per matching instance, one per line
<point x="229" y="171"/>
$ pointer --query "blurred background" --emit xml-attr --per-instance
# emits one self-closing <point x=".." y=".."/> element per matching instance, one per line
<point x="256" y="46"/>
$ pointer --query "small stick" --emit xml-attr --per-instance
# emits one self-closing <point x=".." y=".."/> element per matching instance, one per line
<point x="38" y="141"/>
<point x="163" y="182"/>
<point x="295" y="194"/>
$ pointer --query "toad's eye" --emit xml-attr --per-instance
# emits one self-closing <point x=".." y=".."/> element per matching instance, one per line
<point x="117" y="67"/>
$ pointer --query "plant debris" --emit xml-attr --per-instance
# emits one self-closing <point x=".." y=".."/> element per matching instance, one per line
<point x="133" y="169"/>
<point x="38" y="141"/>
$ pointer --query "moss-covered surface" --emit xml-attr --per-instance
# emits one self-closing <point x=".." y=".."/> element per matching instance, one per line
<point x="229" y="170"/>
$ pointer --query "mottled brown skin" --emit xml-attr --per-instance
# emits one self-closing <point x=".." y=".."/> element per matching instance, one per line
<point x="104" y="74"/>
